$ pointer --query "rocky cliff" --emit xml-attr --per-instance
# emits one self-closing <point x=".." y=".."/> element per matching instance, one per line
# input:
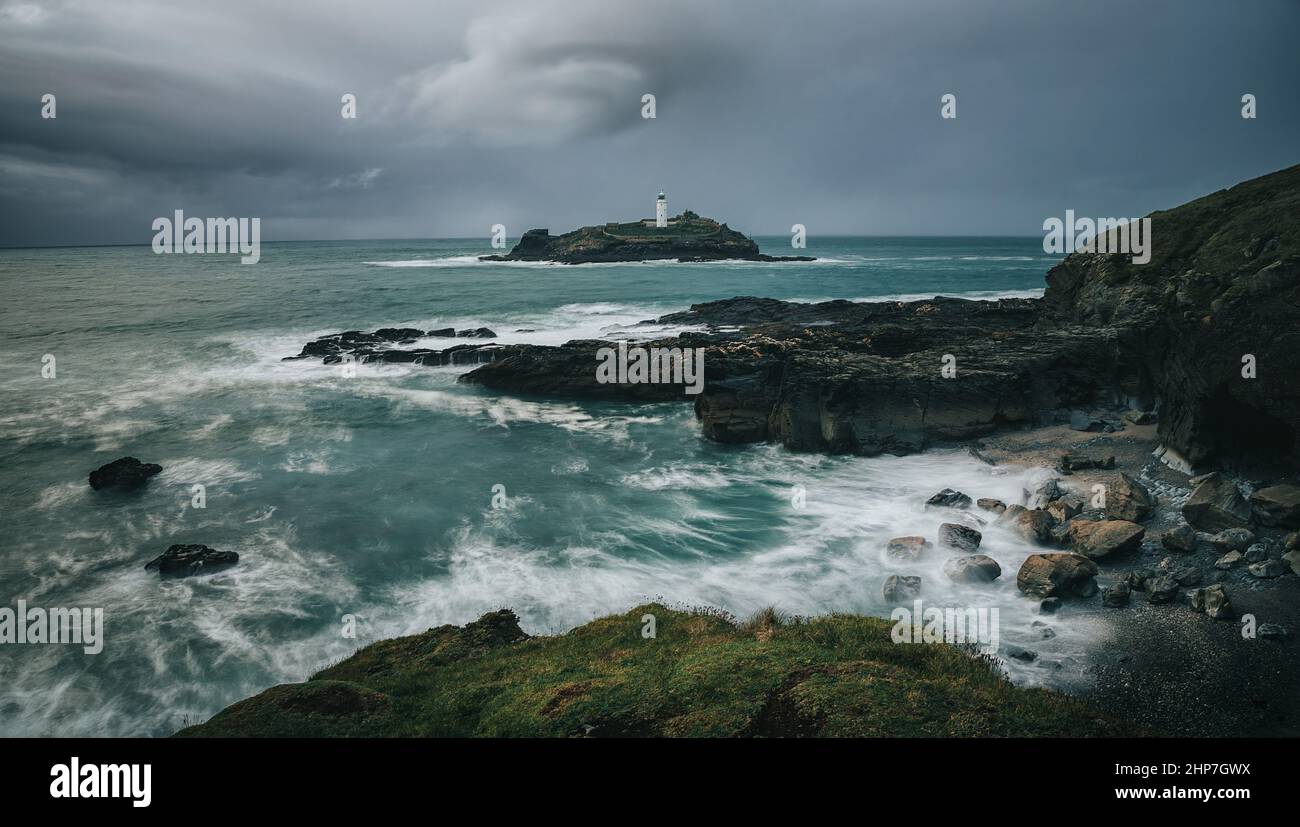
<point x="1210" y="328"/>
<point x="1207" y="333"/>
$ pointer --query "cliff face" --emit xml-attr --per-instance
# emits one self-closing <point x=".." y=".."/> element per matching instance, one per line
<point x="1223" y="284"/>
<point x="689" y="238"/>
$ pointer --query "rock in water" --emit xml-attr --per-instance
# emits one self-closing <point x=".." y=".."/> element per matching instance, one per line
<point x="181" y="560"/>
<point x="977" y="568"/>
<point x="127" y="472"/>
<point x="1057" y="575"/>
<point x="688" y="237"/>
<point x="1128" y="499"/>
<point x="1104" y="537"/>
<point x="963" y="538"/>
<point x="901" y="588"/>
<point x="948" y="498"/>
<point x="1216" y="504"/>
<point x="1278" y="505"/>
<point x="1035" y="525"/>
<point x="991" y="504"/>
<point x="907" y="548"/>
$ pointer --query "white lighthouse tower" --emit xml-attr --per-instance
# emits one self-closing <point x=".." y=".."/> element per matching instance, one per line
<point x="661" y="211"/>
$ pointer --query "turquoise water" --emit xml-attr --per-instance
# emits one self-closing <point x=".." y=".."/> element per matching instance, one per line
<point x="372" y="496"/>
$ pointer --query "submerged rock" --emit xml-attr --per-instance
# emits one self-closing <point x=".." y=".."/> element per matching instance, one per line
<point x="186" y="560"/>
<point x="948" y="498"/>
<point x="901" y="588"/>
<point x="127" y="472"/>
<point x="907" y="548"/>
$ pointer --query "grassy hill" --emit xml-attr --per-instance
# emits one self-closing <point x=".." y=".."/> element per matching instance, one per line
<point x="701" y="675"/>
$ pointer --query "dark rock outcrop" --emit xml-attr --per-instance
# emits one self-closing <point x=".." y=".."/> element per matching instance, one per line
<point x="186" y="560"/>
<point x="839" y="377"/>
<point x="124" y="473"/>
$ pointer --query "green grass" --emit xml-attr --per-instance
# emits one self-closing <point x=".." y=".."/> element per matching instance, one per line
<point x="702" y="675"/>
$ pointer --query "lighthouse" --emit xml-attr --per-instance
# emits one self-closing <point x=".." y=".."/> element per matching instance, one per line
<point x="661" y="211"/>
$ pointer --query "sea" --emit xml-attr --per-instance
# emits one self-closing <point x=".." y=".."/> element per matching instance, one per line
<point x="393" y="500"/>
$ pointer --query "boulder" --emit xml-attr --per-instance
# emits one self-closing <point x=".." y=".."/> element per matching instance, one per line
<point x="127" y="472"/>
<point x="1034" y="524"/>
<point x="963" y="538"/>
<point x="1232" y="539"/>
<point x="990" y="504"/>
<point x="1063" y="509"/>
<point x="1043" y="493"/>
<point x="1116" y="597"/>
<point x="477" y="333"/>
<point x="443" y="333"/>
<point x="1058" y="574"/>
<point x="1128" y="499"/>
<point x="948" y="498"/>
<point x="1049" y="605"/>
<point x="901" y="588"/>
<point x="907" y="548"/>
<point x="1277" y="505"/>
<point x="1104" y="537"/>
<point x="1256" y="553"/>
<point x="1213" y="601"/>
<point x="1180" y="538"/>
<point x="976" y="568"/>
<point x="1217" y="504"/>
<point x="1228" y="560"/>
<point x="181" y="560"/>
<point x="1162" y="589"/>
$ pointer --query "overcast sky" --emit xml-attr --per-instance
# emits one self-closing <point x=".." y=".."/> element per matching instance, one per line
<point x="528" y="113"/>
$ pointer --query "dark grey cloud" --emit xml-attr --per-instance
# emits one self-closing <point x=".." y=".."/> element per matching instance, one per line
<point x="527" y="113"/>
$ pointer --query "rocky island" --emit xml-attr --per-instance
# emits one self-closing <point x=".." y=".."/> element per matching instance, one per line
<point x="687" y="237"/>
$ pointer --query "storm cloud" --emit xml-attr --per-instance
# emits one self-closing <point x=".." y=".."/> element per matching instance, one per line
<point x="528" y="113"/>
